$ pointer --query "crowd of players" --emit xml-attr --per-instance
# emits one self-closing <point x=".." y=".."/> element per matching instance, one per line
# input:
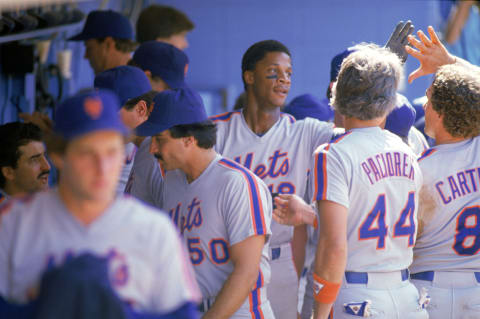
<point x="386" y="226"/>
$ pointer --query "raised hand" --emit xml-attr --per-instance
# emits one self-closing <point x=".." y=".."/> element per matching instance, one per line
<point x="397" y="41"/>
<point x="431" y="53"/>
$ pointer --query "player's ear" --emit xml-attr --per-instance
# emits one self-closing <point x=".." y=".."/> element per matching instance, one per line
<point x="188" y="141"/>
<point x="8" y="173"/>
<point x="248" y="77"/>
<point x="141" y="109"/>
<point x="57" y="160"/>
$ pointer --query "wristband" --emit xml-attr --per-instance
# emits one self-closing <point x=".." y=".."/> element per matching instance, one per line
<point x="324" y="291"/>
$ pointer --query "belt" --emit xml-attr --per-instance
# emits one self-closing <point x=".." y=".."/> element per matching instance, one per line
<point x="276" y="252"/>
<point x="362" y="277"/>
<point x="282" y="251"/>
<point x="205" y="304"/>
<point x="429" y="275"/>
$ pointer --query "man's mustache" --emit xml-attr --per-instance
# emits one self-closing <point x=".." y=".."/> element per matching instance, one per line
<point x="43" y="174"/>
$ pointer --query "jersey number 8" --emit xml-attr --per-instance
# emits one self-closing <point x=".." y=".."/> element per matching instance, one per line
<point x="467" y="235"/>
<point x="405" y="225"/>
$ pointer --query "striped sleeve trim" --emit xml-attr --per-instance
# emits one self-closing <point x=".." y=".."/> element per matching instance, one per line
<point x="320" y="171"/>
<point x="224" y="117"/>
<point x="289" y="116"/>
<point x="426" y="153"/>
<point x="256" y="208"/>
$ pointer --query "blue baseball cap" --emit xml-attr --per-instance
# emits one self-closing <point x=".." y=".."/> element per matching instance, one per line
<point x="102" y="24"/>
<point x="163" y="60"/>
<point x="173" y="107"/>
<point x="337" y="63"/>
<point x="126" y="81"/>
<point x="307" y="105"/>
<point x="87" y="112"/>
<point x="401" y="119"/>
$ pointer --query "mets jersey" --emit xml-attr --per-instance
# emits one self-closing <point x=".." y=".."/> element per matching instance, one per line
<point x="130" y="150"/>
<point x="147" y="264"/>
<point x="145" y="181"/>
<point x="280" y="157"/>
<point x="417" y="141"/>
<point x="450" y="210"/>
<point x="225" y="205"/>
<point x="377" y="178"/>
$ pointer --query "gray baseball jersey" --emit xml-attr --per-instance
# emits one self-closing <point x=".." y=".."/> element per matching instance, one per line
<point x="145" y="181"/>
<point x="376" y="176"/>
<point x="280" y="157"/>
<point x="450" y="240"/>
<point x="225" y="205"/>
<point x="417" y="141"/>
<point x="147" y="264"/>
<point x="130" y="150"/>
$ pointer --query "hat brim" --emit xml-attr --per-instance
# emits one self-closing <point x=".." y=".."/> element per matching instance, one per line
<point x="150" y="129"/>
<point x="79" y="37"/>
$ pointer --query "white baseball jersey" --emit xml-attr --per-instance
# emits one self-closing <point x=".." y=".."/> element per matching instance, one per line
<point x="147" y="261"/>
<point x="130" y="150"/>
<point x="145" y="181"/>
<point x="225" y="205"/>
<point x="417" y="141"/>
<point x="280" y="157"/>
<point x="376" y="176"/>
<point x="450" y="240"/>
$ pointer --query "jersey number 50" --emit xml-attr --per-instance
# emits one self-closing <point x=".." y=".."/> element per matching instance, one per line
<point x="405" y="225"/>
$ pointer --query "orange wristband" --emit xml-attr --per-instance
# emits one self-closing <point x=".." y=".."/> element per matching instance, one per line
<point x="324" y="291"/>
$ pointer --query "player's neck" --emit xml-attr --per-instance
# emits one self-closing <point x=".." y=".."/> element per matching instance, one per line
<point x="198" y="162"/>
<point x="12" y="190"/>
<point x="84" y="210"/>
<point x="260" y="118"/>
<point x="445" y="138"/>
<point x="352" y="122"/>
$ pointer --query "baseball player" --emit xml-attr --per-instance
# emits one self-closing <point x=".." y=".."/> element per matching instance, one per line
<point x="147" y="266"/>
<point x="127" y="82"/>
<point x="108" y="39"/>
<point x="222" y="209"/>
<point x="376" y="185"/>
<point x="446" y="254"/>
<point x="24" y="167"/>
<point x="166" y="67"/>
<point x="274" y="146"/>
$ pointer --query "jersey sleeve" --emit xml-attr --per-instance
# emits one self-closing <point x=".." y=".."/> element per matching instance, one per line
<point x="148" y="182"/>
<point x="247" y="208"/>
<point x="328" y="176"/>
<point x="320" y="133"/>
<point x="175" y="280"/>
<point x="6" y="228"/>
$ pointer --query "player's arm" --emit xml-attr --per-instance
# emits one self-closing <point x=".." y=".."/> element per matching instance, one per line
<point x="431" y="54"/>
<point x="245" y="257"/>
<point x="457" y="20"/>
<point x="292" y="210"/>
<point x="299" y="243"/>
<point x="331" y="256"/>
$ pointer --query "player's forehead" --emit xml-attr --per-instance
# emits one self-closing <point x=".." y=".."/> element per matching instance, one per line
<point x="32" y="148"/>
<point x="98" y="139"/>
<point x="275" y="58"/>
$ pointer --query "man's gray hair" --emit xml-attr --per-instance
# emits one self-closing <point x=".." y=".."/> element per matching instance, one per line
<point x="367" y="83"/>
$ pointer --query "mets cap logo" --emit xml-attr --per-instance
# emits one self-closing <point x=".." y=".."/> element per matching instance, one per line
<point x="93" y="107"/>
